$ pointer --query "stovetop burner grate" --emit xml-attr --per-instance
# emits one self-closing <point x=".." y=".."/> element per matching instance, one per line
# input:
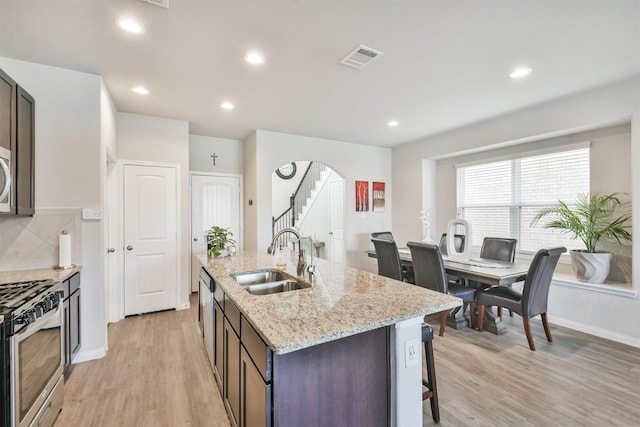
<point x="13" y="295"/>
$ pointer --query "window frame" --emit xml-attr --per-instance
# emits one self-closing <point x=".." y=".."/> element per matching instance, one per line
<point x="515" y="205"/>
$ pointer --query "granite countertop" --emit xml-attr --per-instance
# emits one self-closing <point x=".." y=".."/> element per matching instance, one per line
<point x="342" y="301"/>
<point x="37" y="274"/>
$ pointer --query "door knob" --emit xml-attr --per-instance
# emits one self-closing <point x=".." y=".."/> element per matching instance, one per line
<point x="110" y="250"/>
<point x="195" y="239"/>
<point x="129" y="247"/>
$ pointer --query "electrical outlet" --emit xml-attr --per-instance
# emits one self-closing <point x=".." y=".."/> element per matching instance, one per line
<point x="411" y="352"/>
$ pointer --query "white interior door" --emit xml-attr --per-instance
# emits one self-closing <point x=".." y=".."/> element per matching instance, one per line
<point x="336" y="221"/>
<point x="150" y="238"/>
<point x="215" y="200"/>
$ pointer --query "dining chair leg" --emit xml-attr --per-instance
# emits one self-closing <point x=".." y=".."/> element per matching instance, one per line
<point x="443" y="321"/>
<point x="527" y="330"/>
<point x="480" y="316"/>
<point x="500" y="313"/>
<point x="431" y="380"/>
<point x="545" y="324"/>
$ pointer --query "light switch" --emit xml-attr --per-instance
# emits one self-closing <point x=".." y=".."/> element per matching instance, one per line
<point x="91" y="213"/>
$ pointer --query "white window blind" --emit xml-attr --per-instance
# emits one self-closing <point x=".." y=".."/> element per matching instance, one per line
<point x="500" y="199"/>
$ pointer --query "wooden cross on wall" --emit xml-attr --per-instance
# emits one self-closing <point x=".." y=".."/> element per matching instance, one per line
<point x="214" y="157"/>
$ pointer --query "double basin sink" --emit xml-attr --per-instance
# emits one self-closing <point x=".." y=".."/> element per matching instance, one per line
<point x="265" y="282"/>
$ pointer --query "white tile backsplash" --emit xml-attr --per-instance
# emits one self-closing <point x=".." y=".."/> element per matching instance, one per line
<point x="32" y="242"/>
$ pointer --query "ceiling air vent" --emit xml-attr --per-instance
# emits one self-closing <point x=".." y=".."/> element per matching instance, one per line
<point x="161" y="3"/>
<point x="360" y="57"/>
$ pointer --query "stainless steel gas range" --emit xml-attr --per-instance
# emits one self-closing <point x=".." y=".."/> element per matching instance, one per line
<point x="31" y="376"/>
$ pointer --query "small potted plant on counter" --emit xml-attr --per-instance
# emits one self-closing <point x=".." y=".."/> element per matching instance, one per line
<point x="594" y="217"/>
<point x="219" y="240"/>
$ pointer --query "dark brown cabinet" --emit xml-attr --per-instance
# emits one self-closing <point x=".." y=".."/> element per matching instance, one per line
<point x="255" y="394"/>
<point x="231" y="373"/>
<point x="71" y="306"/>
<point x="218" y="330"/>
<point x="263" y="389"/>
<point x="17" y="135"/>
<point x="25" y="153"/>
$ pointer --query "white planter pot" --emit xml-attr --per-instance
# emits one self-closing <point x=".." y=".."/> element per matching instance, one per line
<point x="591" y="267"/>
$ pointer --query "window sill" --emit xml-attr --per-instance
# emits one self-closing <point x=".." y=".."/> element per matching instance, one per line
<point x="612" y="288"/>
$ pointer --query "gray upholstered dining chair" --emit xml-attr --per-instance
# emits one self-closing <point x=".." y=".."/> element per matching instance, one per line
<point x="532" y="301"/>
<point x="407" y="270"/>
<point x="458" y="240"/>
<point x="389" y="264"/>
<point x="499" y="249"/>
<point x="429" y="272"/>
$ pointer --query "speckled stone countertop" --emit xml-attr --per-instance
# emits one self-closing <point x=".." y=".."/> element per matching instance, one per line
<point x="37" y="274"/>
<point x="342" y="301"/>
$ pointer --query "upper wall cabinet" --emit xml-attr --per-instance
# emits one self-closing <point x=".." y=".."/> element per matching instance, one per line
<point x="17" y="148"/>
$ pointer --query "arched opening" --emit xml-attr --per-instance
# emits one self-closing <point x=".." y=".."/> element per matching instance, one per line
<point x="308" y="196"/>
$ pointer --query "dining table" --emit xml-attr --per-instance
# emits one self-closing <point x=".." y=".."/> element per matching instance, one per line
<point x="482" y="270"/>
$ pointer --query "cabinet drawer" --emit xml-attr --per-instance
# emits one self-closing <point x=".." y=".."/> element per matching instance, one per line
<point x="257" y="349"/>
<point x="71" y="285"/>
<point x="232" y="313"/>
<point x="218" y="295"/>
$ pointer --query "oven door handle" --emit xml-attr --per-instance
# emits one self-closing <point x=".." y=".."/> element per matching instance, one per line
<point x="27" y="330"/>
<point x="7" y="180"/>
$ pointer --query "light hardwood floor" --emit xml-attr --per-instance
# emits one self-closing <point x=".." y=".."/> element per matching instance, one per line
<point x="156" y="374"/>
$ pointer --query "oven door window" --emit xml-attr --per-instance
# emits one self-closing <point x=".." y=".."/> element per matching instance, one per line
<point x="38" y="358"/>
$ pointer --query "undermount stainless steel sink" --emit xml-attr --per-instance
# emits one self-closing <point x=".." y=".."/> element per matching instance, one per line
<point x="265" y="282"/>
<point x="256" y="277"/>
<point x="277" y="287"/>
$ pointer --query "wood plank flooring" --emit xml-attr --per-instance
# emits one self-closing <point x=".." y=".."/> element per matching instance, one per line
<point x="577" y="380"/>
<point x="156" y="373"/>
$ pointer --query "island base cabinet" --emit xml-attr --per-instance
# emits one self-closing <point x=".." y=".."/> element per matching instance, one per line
<point x="218" y="367"/>
<point x="255" y="395"/>
<point x="231" y="380"/>
<point x="343" y="382"/>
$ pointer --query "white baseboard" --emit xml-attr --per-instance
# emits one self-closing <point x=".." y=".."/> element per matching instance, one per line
<point x="598" y="332"/>
<point x="84" y="356"/>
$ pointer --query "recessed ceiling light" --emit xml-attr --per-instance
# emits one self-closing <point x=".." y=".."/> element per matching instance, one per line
<point x="140" y="90"/>
<point x="130" y="26"/>
<point x="520" y="72"/>
<point x="227" y="106"/>
<point x="393" y="123"/>
<point x="254" y="58"/>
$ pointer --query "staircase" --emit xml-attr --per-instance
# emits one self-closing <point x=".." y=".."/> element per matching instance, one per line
<point x="300" y="201"/>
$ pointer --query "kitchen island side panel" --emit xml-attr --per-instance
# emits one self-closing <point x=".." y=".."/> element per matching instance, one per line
<point x="342" y="382"/>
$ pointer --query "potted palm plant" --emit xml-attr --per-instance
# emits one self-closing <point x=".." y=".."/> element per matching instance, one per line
<point x="593" y="218"/>
<point x="219" y="240"/>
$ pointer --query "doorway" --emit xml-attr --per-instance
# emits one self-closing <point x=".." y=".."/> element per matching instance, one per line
<point x="150" y="225"/>
<point x="215" y="200"/>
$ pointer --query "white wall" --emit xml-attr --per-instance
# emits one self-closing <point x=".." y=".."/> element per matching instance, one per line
<point x="251" y="190"/>
<point x="154" y="139"/>
<point x="610" y="316"/>
<point x="229" y="152"/>
<point x="352" y="161"/>
<point x="69" y="172"/>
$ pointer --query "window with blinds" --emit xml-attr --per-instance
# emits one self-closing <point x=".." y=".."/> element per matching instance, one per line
<point x="500" y="199"/>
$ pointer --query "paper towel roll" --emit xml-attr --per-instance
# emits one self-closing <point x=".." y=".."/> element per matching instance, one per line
<point x="65" y="250"/>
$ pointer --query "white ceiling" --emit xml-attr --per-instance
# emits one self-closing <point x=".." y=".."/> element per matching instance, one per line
<point x="445" y="63"/>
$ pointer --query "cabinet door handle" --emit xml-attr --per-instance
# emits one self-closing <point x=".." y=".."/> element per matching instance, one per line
<point x="129" y="248"/>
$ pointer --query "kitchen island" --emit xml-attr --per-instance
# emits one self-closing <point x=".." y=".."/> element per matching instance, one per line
<point x="345" y="350"/>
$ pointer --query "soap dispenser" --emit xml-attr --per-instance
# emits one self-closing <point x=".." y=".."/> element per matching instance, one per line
<point x="301" y="264"/>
